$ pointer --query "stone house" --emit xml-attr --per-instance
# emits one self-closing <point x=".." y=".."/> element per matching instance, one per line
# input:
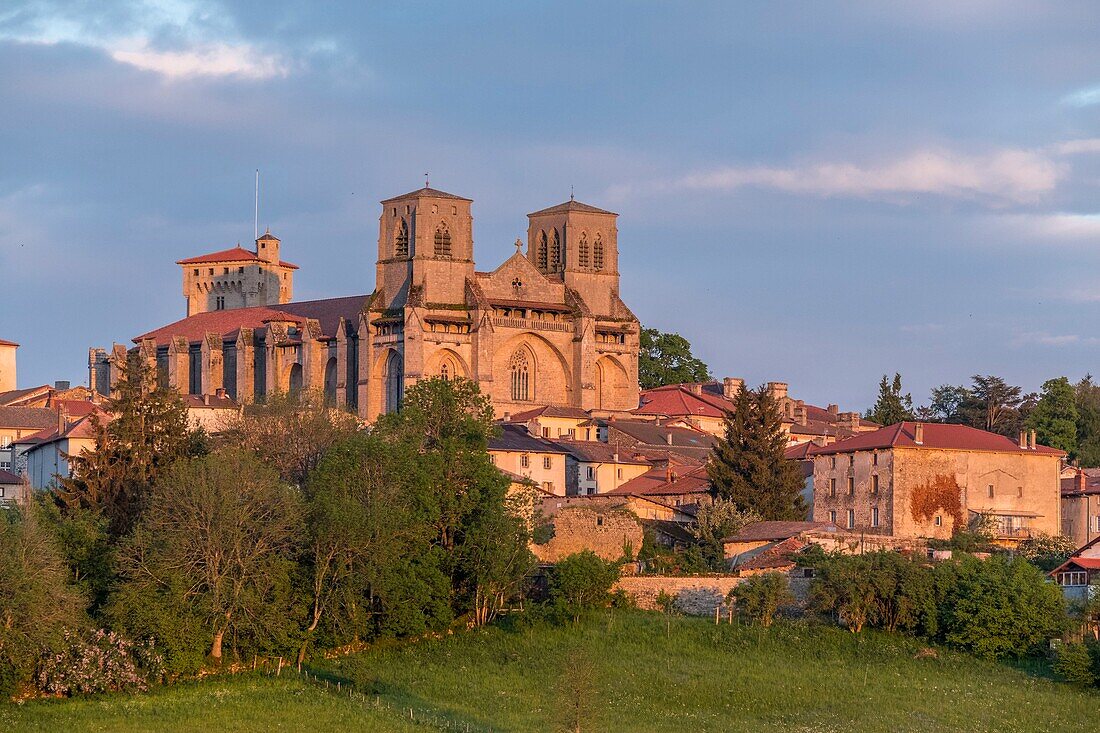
<point x="608" y="531"/>
<point x="17" y="423"/>
<point x="657" y="439"/>
<point x="554" y="422"/>
<point x="213" y="413"/>
<point x="931" y="480"/>
<point x="531" y="457"/>
<point x="1081" y="505"/>
<point x="681" y="487"/>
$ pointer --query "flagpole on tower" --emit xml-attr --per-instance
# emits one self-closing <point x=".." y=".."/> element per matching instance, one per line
<point x="256" y="219"/>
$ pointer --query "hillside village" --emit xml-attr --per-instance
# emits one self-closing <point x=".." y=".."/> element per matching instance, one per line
<point x="548" y="339"/>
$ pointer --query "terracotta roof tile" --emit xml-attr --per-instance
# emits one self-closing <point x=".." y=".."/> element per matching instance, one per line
<point x="233" y="254"/>
<point x="936" y="435"/>
<point x="27" y="417"/>
<point x="7" y="477"/>
<point x="590" y="451"/>
<point x="658" y="483"/>
<point x="572" y="205"/>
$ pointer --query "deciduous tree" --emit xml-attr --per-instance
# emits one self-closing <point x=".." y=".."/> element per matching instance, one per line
<point x="666" y="358"/>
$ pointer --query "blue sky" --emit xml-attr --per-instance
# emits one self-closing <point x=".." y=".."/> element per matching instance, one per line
<point x="811" y="192"/>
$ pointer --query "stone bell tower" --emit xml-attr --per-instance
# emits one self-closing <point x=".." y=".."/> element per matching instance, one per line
<point x="579" y="244"/>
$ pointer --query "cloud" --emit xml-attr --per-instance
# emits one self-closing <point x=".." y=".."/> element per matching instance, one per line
<point x="218" y="59"/>
<point x="1058" y="225"/>
<point x="1083" y="97"/>
<point x="1004" y="176"/>
<point x="173" y="38"/>
<point x="1074" y="147"/>
<point x="1042" y="338"/>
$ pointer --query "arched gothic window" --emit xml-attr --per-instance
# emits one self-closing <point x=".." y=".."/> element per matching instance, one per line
<point x="583" y="255"/>
<point x="520" y="368"/>
<point x="442" y="241"/>
<point x="394" y="383"/>
<point x="597" y="253"/>
<point x="445" y="371"/>
<point x="540" y="252"/>
<point x="401" y="248"/>
<point x="555" y="252"/>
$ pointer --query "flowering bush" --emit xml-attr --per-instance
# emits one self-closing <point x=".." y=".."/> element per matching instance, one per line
<point x="98" y="661"/>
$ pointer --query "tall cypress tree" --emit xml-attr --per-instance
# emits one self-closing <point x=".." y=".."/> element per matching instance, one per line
<point x="747" y="465"/>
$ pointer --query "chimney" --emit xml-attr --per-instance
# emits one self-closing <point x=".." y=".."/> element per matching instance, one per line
<point x="615" y="457"/>
<point x="800" y="415"/>
<point x="61" y="384"/>
<point x="206" y="400"/>
<point x="696" y="388"/>
<point x="833" y="410"/>
<point x="61" y="420"/>
<point x="507" y="416"/>
<point x="668" y="438"/>
<point x="1023" y="439"/>
<point x="918" y="433"/>
<point x="1031" y="439"/>
<point x="220" y="392"/>
<point x="1082" y="482"/>
<point x="731" y="387"/>
<point x="778" y="390"/>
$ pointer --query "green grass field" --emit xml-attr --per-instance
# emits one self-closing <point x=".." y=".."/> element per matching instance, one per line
<point x="619" y="672"/>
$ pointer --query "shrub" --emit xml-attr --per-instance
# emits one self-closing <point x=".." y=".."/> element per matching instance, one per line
<point x="998" y="607"/>
<point x="843" y="585"/>
<point x="1073" y="663"/>
<point x="98" y="661"/>
<point x="1046" y="551"/>
<point x="761" y="596"/>
<point x="581" y="581"/>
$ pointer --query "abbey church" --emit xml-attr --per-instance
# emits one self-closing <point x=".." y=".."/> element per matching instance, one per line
<point x="546" y="327"/>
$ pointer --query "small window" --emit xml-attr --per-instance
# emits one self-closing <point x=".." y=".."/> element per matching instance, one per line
<point x="591" y="473"/>
<point x="874" y="516"/>
<point x="548" y="487"/>
<point x="493" y="458"/>
<point x="599" y="521"/>
<point x="832" y="516"/>
<point x="618" y="473"/>
<point x="851" y="460"/>
<point x="225" y="270"/>
<point x="851" y="486"/>
<point x="525" y="461"/>
<point x="874" y="458"/>
<point x="834" y="461"/>
<point x="1020" y="491"/>
<point x="196" y="271"/>
<point x="1098" y="523"/>
<point x="546" y="432"/>
<point x="547" y="462"/>
<point x="874" y="483"/>
<point x="832" y="487"/>
<point x="211" y="270"/>
<point x="939" y="521"/>
<point x="851" y="518"/>
<point x="1073" y="578"/>
<point x="240" y="270"/>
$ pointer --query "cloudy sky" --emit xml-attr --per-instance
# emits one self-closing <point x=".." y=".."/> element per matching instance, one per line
<point x="810" y="192"/>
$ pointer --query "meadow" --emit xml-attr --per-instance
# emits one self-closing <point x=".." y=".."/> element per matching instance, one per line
<point x="615" y="671"/>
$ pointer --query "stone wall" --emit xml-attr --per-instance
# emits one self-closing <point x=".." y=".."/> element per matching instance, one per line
<point x="605" y="533"/>
<point x="695" y="596"/>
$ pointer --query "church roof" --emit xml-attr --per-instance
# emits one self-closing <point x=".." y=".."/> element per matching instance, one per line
<point x="426" y="193"/>
<point x="234" y="254"/>
<point x="572" y="205"/>
<point x="268" y="236"/>
<point x="228" y="323"/>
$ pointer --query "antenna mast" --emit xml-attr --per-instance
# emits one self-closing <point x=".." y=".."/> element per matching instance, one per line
<point x="256" y="219"/>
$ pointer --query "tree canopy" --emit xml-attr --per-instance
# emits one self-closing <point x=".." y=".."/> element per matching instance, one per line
<point x="892" y="405"/>
<point x="666" y="358"/>
<point x="1054" y="418"/>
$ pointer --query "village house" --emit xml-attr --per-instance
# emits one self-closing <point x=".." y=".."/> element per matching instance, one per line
<point x="551" y="421"/>
<point x="931" y="480"/>
<point x="45" y="455"/>
<point x="17" y="423"/>
<point x="592" y="467"/>
<point x="213" y="413"/>
<point x="658" y="439"/>
<point x="12" y="489"/>
<point x="1081" y="504"/>
<point x="682" y="487"/>
<point x="534" y="458"/>
<point x="1079" y="576"/>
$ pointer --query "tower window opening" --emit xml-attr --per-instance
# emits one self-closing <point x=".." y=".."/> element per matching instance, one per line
<point x="597" y="253"/>
<point x="583" y="255"/>
<point x="401" y="247"/>
<point x="442" y="241"/>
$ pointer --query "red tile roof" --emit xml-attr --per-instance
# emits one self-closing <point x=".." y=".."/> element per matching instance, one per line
<point x="936" y="436"/>
<point x="426" y="193"/>
<point x="675" y="400"/>
<point x="800" y="452"/>
<point x="572" y="205"/>
<point x="27" y="417"/>
<point x="7" y="477"/>
<point x="229" y="322"/>
<point x="777" y="557"/>
<point x="1073" y="486"/>
<point x="233" y="254"/>
<point x="591" y="451"/>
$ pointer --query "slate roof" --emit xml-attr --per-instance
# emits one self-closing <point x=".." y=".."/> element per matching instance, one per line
<point x="228" y="323"/>
<point x="27" y="417"/>
<point x="936" y="436"/>
<point x="1073" y="487"/>
<point x="515" y="438"/>
<point x="233" y="254"/>
<point x="591" y="451"/>
<point x="658" y="483"/>
<point x="572" y="205"/>
<point x="424" y="193"/>
<point x="771" y="531"/>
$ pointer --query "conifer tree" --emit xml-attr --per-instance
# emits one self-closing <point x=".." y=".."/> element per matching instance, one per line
<point x="892" y="406"/>
<point x="148" y="431"/>
<point x="1055" y="416"/>
<point x="747" y="466"/>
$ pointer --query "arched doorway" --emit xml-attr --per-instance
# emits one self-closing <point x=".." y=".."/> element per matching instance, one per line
<point x="295" y="382"/>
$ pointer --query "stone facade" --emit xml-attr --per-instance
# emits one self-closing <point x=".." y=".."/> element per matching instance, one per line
<point x="238" y="278"/>
<point x="933" y="489"/>
<point x="605" y="531"/>
<point x="547" y="328"/>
